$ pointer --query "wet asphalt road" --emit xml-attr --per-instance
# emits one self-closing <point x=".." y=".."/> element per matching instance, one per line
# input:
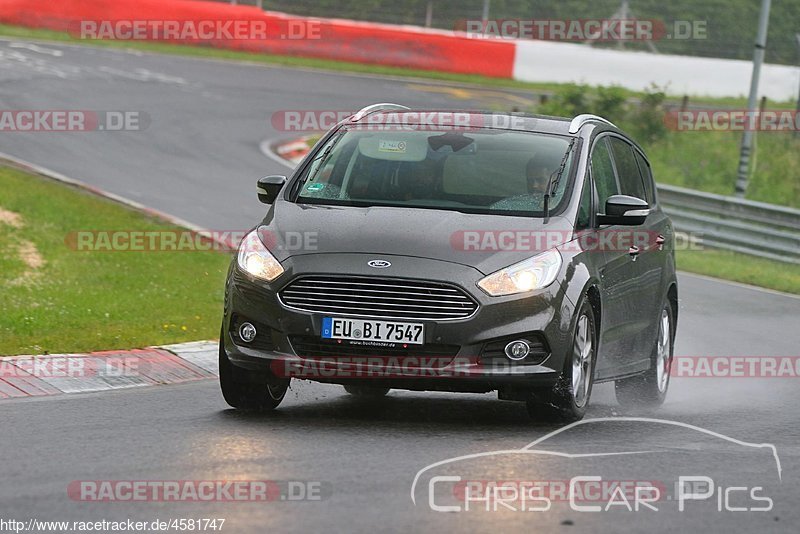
<point x="198" y="160"/>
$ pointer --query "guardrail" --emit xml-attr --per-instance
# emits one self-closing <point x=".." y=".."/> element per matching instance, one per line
<point x="729" y="223"/>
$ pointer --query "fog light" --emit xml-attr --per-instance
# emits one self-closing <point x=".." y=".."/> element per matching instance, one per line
<point x="247" y="332"/>
<point x="517" y="350"/>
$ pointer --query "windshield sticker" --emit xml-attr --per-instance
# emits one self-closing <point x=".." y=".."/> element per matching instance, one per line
<point x="315" y="187"/>
<point x="385" y="145"/>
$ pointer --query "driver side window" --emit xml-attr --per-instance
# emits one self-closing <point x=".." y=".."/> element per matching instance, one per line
<point x="603" y="173"/>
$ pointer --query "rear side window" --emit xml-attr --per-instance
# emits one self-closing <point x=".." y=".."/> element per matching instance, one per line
<point x="603" y="173"/>
<point x="647" y="176"/>
<point x="630" y="180"/>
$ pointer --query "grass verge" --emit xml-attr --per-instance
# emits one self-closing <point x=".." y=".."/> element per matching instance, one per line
<point x="741" y="268"/>
<point x="56" y="299"/>
<point x="707" y="161"/>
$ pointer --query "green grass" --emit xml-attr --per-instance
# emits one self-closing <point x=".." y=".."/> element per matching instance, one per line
<point x="96" y="300"/>
<point x="708" y="161"/>
<point x="339" y="66"/>
<point x="741" y="268"/>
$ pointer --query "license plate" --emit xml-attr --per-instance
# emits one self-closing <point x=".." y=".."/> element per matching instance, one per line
<point x="367" y="330"/>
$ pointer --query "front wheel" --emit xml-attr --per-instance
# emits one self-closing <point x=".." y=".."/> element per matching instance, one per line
<point x="251" y="392"/>
<point x="650" y="388"/>
<point x="568" y="399"/>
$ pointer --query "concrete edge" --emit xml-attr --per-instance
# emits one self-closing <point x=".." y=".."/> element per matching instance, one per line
<point x="56" y="374"/>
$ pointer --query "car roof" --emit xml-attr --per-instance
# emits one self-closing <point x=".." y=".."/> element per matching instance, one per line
<point x="377" y="114"/>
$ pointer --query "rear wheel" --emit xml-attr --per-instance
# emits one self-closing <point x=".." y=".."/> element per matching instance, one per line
<point x="650" y="387"/>
<point x="249" y="390"/>
<point x="568" y="399"/>
<point x="358" y="390"/>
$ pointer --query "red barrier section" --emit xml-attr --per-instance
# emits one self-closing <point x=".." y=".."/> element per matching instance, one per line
<point x="338" y="39"/>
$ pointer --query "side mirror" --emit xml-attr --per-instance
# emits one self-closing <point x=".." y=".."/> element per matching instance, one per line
<point x="624" y="211"/>
<point x="269" y="187"/>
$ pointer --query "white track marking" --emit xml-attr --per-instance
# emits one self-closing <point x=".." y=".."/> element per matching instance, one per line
<point x="266" y="149"/>
<point x="36" y="48"/>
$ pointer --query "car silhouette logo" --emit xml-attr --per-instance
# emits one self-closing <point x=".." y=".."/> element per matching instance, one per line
<point x="379" y="264"/>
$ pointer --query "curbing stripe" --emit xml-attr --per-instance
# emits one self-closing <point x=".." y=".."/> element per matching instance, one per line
<point x="17" y="381"/>
<point x="55" y="374"/>
<point x="201" y="354"/>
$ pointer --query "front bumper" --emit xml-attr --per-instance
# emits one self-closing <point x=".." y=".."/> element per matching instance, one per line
<point x="458" y="355"/>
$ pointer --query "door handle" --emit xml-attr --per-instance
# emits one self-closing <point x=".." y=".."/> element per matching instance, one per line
<point x="634" y="252"/>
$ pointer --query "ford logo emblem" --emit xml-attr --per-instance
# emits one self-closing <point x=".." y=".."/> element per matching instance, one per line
<point x="379" y="264"/>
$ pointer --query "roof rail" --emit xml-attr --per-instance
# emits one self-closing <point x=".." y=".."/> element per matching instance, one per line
<point x="384" y="106"/>
<point x="580" y="120"/>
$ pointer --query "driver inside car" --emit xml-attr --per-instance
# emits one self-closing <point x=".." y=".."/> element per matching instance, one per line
<point x="537" y="173"/>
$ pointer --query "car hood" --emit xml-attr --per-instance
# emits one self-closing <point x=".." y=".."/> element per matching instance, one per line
<point x="486" y="242"/>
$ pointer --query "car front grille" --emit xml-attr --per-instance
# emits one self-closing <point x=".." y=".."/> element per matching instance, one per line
<point x="385" y="298"/>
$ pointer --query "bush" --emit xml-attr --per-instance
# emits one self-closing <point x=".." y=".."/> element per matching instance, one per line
<point x="644" y="120"/>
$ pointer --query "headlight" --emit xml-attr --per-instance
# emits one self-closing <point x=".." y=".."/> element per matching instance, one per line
<point x="255" y="259"/>
<point x="533" y="273"/>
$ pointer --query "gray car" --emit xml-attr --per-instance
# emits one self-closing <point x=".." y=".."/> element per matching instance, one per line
<point x="457" y="251"/>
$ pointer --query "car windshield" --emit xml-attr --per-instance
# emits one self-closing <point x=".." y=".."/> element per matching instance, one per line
<point x="480" y="171"/>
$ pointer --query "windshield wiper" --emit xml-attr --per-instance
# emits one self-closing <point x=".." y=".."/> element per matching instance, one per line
<point x="555" y="177"/>
<point x="324" y="156"/>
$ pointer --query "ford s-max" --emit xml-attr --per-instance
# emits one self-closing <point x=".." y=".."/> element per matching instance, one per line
<point x="457" y="251"/>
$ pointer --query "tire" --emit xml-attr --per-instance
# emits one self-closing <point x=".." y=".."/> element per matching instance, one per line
<point x="649" y="389"/>
<point x="262" y="392"/>
<point x="357" y="390"/>
<point x="568" y="399"/>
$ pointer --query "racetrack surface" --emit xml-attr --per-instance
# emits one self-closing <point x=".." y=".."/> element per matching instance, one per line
<point x="198" y="159"/>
